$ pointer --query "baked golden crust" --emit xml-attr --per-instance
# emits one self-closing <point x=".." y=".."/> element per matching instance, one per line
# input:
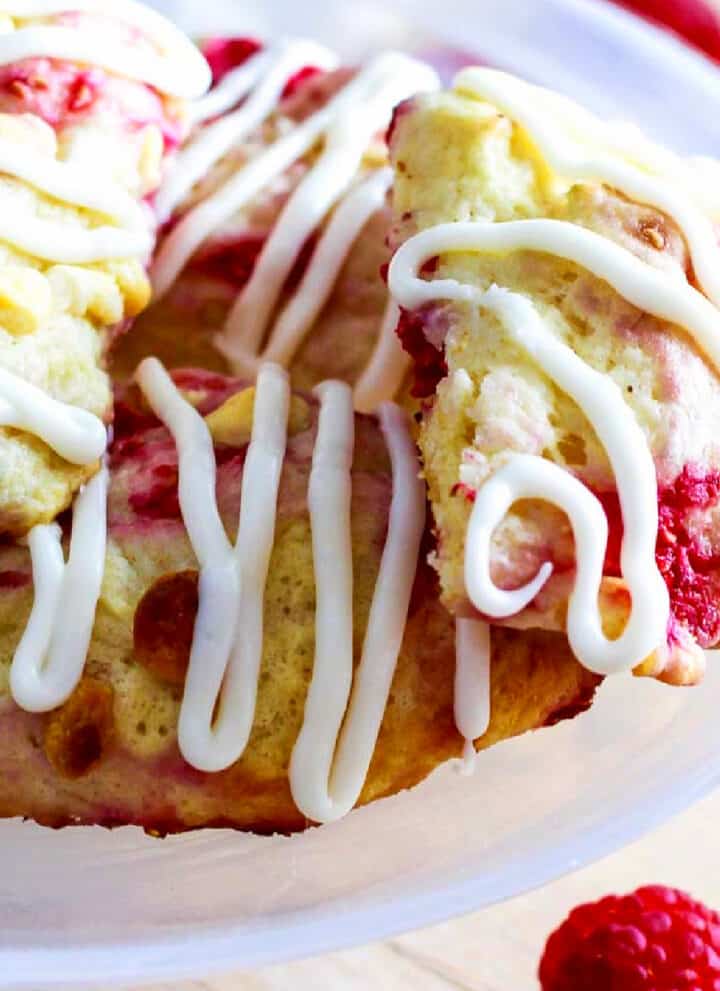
<point x="459" y="158"/>
<point x="180" y="328"/>
<point x="93" y="778"/>
<point x="109" y="756"/>
<point x="57" y="318"/>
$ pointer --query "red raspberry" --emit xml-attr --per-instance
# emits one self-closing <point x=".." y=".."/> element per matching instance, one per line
<point x="429" y="366"/>
<point x="224" y="54"/>
<point x="657" y="939"/>
<point x="694" y="20"/>
<point x="302" y="76"/>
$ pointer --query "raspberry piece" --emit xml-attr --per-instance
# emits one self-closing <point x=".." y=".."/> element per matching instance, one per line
<point x="686" y="561"/>
<point x="231" y="260"/>
<point x="401" y="110"/>
<point x="14" y="579"/>
<point x="302" y="76"/>
<point x="82" y="93"/>
<point x="429" y="366"/>
<point x="224" y="54"/>
<point x="693" y="20"/>
<point x="656" y="939"/>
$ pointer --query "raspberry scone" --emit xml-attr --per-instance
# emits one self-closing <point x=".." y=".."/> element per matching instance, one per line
<point x="92" y="99"/>
<point x="276" y="220"/>
<point x="559" y="283"/>
<point x="228" y="628"/>
<point x="238" y="625"/>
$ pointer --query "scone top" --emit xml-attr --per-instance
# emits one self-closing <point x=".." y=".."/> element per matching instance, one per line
<point x="277" y="211"/>
<point x="91" y="103"/>
<point x="229" y="491"/>
<point x="558" y="284"/>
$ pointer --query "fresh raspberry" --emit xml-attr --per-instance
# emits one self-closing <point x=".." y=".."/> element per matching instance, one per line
<point x="224" y="54"/>
<point x="656" y="939"/>
<point x="694" y="20"/>
<point x="301" y="77"/>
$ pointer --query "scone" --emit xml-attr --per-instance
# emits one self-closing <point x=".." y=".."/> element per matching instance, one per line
<point x="141" y="741"/>
<point x="559" y="282"/>
<point x="257" y="614"/>
<point x="276" y="221"/>
<point x="92" y="101"/>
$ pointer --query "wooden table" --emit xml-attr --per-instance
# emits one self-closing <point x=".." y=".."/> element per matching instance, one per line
<point x="498" y="949"/>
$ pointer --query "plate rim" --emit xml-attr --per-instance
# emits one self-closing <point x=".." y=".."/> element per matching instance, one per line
<point x="222" y="947"/>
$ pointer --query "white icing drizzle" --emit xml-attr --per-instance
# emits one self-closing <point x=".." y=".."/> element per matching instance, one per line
<point x="50" y="657"/>
<point x="221" y="685"/>
<point x="530" y="477"/>
<point x="75" y="434"/>
<point x="351" y="215"/>
<point x="176" y="67"/>
<point x="73" y="184"/>
<point x="268" y="71"/>
<point x="345" y="126"/>
<point x="601" y="401"/>
<point x="51" y="241"/>
<point x="329" y="764"/>
<point x="320" y="189"/>
<point x="472" y="683"/>
<point x="232" y="88"/>
<point x="227" y="642"/>
<point x="641" y="285"/>
<point x="576" y="145"/>
<point x="385" y="372"/>
<point x="384" y="82"/>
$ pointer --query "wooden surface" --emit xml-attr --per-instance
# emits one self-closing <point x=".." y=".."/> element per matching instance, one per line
<point x="498" y="949"/>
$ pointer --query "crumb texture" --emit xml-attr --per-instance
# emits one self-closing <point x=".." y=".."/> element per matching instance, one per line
<point x="110" y="754"/>
<point x="459" y="159"/>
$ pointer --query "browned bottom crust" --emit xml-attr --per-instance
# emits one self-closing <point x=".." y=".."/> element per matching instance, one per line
<point x="535" y="682"/>
<point x="110" y="756"/>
